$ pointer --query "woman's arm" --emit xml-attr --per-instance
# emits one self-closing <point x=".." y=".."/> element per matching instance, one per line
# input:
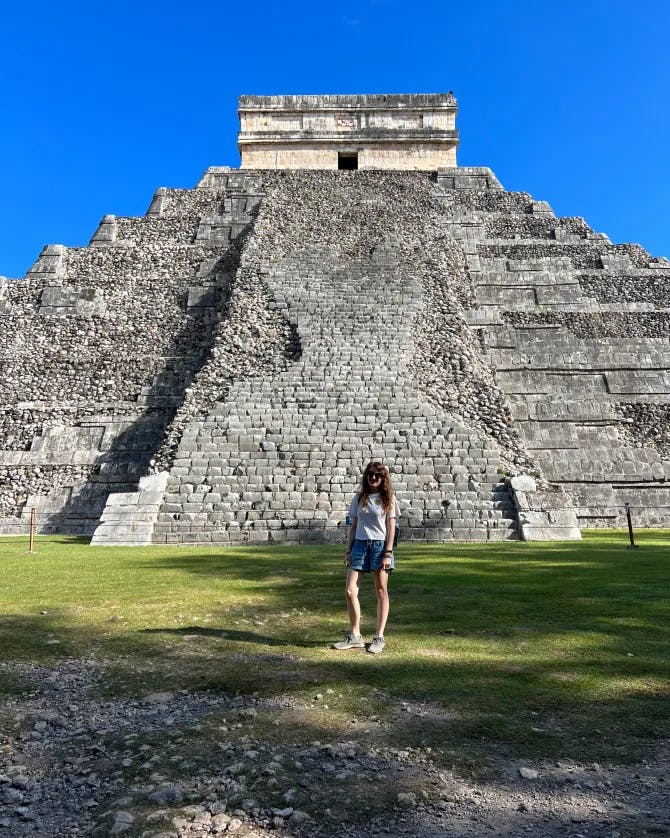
<point x="350" y="542"/>
<point x="388" y="545"/>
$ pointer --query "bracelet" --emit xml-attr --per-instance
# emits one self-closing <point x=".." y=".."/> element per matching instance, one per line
<point x="387" y="551"/>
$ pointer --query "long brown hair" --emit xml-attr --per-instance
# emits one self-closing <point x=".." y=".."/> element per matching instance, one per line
<point x="385" y="487"/>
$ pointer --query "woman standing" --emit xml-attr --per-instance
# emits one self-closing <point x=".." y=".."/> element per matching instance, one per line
<point x="373" y="513"/>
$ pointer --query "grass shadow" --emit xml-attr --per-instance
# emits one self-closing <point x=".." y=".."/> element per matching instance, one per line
<point x="528" y="649"/>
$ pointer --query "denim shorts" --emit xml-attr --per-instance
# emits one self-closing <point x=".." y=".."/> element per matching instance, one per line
<point x="367" y="556"/>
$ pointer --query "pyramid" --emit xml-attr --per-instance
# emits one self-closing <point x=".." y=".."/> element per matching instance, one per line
<point x="221" y="369"/>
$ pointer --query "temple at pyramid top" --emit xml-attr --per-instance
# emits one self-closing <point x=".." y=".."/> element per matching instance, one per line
<point x="407" y="131"/>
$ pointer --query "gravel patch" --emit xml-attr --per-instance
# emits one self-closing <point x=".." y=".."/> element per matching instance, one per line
<point x="192" y="764"/>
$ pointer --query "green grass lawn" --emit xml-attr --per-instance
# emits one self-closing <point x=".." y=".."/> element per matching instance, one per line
<point x="525" y="650"/>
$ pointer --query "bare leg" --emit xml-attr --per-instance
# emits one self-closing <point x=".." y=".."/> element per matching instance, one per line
<point x="381" y="588"/>
<point x="353" y="605"/>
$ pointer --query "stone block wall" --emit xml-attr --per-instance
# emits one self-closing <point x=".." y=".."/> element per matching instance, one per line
<point x="221" y="369"/>
<point x="406" y="132"/>
<point x="577" y="331"/>
<point x="98" y="346"/>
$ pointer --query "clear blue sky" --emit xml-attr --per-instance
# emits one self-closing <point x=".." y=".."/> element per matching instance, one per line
<point x="101" y="103"/>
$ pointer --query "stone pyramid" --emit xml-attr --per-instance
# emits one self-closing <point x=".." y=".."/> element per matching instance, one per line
<point x="221" y="369"/>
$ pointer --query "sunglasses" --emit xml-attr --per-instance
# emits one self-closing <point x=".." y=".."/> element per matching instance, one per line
<point x="375" y="475"/>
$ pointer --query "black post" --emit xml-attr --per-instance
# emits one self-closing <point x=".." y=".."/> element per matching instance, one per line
<point x="632" y="545"/>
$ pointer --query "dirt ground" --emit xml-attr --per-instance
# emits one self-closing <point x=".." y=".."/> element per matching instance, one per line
<point x="190" y="764"/>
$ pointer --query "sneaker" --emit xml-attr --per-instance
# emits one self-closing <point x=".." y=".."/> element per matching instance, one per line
<point x="352" y="641"/>
<point x="376" y="646"/>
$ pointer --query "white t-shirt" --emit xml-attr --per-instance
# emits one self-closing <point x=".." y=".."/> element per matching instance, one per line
<point x="371" y="525"/>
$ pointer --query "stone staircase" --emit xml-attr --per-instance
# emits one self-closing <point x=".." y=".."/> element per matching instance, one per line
<point x="281" y="458"/>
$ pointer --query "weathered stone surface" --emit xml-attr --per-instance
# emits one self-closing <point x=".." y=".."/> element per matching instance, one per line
<point x="129" y="517"/>
<point x="523" y="483"/>
<point x="373" y="374"/>
<point x="577" y="332"/>
<point x="257" y="339"/>
<point x="97" y="347"/>
<point x="407" y="131"/>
